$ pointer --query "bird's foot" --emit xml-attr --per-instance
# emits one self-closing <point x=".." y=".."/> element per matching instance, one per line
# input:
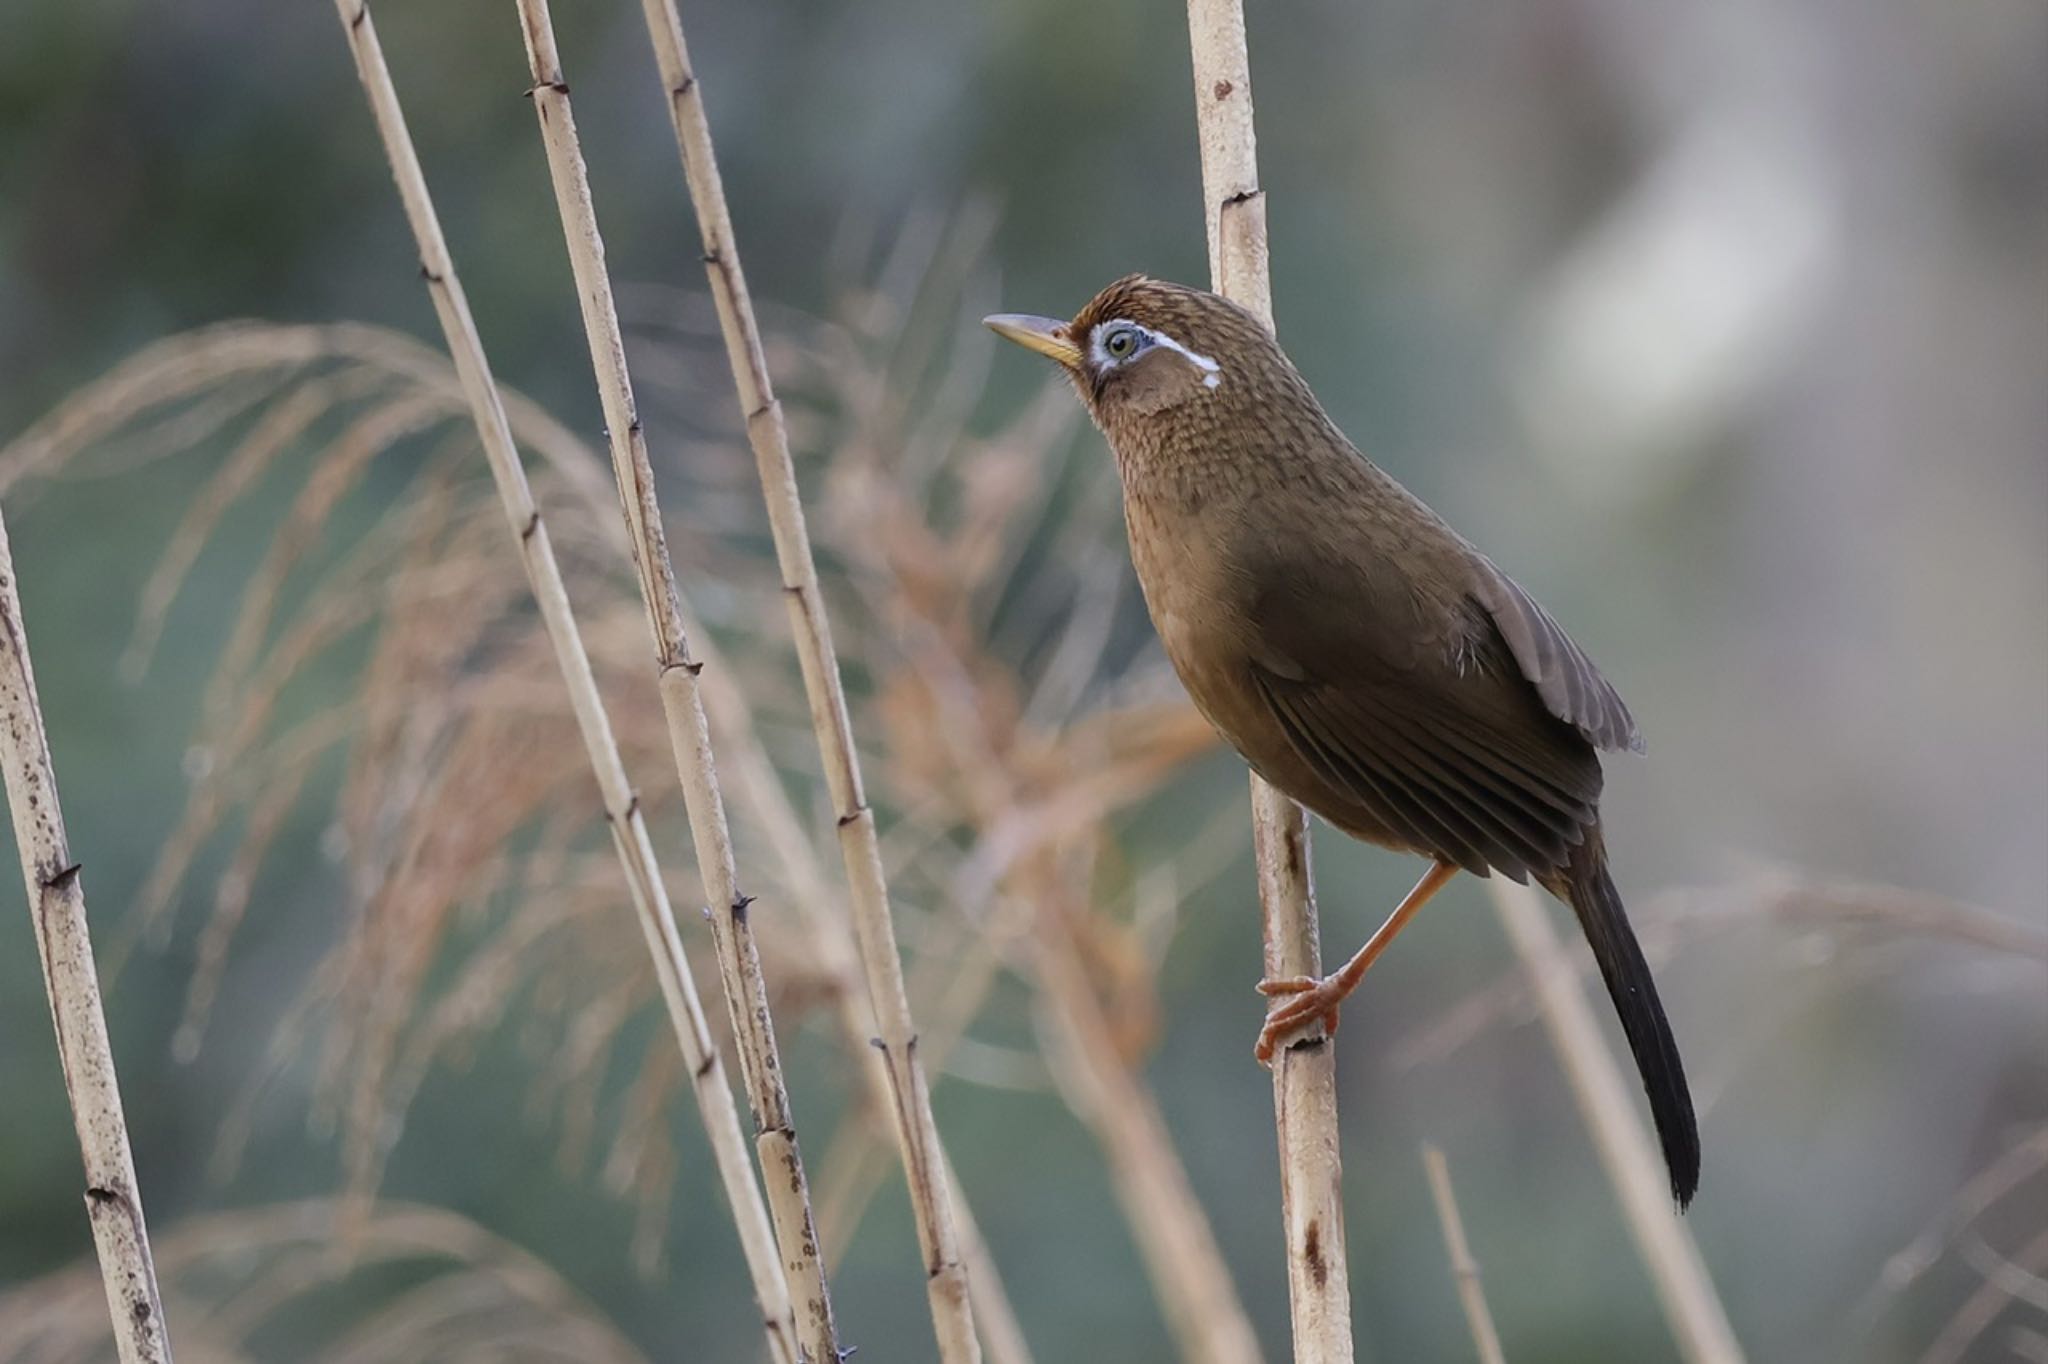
<point x="1301" y="1001"/>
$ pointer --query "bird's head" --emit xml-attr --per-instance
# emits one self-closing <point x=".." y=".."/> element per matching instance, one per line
<point x="1143" y="348"/>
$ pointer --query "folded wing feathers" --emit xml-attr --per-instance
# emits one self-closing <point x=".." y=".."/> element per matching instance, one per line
<point x="1446" y="784"/>
<point x="1563" y="676"/>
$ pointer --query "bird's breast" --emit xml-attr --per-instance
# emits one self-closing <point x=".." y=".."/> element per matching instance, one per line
<point x="1201" y="611"/>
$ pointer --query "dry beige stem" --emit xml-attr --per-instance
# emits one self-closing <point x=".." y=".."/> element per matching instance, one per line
<point x="56" y="901"/>
<point x="752" y="777"/>
<point x="237" y="1276"/>
<point x="629" y="830"/>
<point x="1633" y="1165"/>
<point x="1196" y="1294"/>
<point x="1982" y="1308"/>
<point x="917" y="1134"/>
<point x="188" y="364"/>
<point x="1032" y="806"/>
<point x="746" y="992"/>
<point x="1037" y="804"/>
<point x="1305" y="1074"/>
<point x="1465" y="1269"/>
<point x="2017" y="1164"/>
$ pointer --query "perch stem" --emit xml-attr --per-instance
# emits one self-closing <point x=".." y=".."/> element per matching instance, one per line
<point x="1304" y="1073"/>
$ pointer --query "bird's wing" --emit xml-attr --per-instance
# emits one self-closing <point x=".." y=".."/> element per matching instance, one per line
<point x="1571" y="687"/>
<point x="1448" y="778"/>
<point x="1421" y="712"/>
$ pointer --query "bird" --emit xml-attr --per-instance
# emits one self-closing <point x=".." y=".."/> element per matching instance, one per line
<point x="1359" y="654"/>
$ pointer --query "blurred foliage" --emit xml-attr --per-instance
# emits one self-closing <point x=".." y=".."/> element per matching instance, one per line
<point x="1722" y="327"/>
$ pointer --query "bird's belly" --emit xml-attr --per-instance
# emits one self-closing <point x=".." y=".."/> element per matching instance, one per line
<point x="1209" y="633"/>
<point x="1215" y="671"/>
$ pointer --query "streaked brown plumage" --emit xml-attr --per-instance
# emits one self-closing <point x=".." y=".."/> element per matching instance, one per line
<point x="1362" y="656"/>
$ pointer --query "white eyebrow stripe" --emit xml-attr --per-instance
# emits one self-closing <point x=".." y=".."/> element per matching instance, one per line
<point x="1201" y="362"/>
<point x="1210" y="369"/>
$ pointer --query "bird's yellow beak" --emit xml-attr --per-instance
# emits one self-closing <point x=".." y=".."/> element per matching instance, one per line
<point x="1046" y="335"/>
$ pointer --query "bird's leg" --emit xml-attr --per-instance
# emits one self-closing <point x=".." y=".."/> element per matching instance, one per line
<point x="1308" y="998"/>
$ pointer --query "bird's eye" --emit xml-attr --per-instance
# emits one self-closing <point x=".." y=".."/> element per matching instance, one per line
<point x="1121" y="343"/>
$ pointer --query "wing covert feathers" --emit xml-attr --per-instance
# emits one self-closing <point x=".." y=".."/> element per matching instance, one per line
<point x="1563" y="676"/>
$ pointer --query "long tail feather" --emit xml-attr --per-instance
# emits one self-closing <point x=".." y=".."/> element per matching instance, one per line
<point x="1590" y="891"/>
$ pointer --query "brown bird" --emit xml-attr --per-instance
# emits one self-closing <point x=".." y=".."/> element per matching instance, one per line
<point x="1360" y="654"/>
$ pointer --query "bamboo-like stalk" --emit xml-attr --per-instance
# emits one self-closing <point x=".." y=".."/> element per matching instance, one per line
<point x="1304" y="1074"/>
<point x="746" y="992"/>
<point x="56" y="902"/>
<point x="751" y="776"/>
<point x="1465" y="1269"/>
<point x="874" y="931"/>
<point x="622" y="808"/>
<point x="1020" y="853"/>
<point x="1001" y="1334"/>
<point x="1634" y="1167"/>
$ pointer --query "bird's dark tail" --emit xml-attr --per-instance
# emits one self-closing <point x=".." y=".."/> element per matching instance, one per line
<point x="1590" y="891"/>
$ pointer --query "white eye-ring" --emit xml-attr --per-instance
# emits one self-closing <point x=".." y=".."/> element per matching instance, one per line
<point x="1118" y="341"/>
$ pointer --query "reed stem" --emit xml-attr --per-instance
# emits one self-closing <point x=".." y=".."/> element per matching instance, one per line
<point x="622" y="809"/>
<point x="676" y="673"/>
<point x="1304" y="1073"/>
<point x="1464" y="1268"/>
<point x="874" y="930"/>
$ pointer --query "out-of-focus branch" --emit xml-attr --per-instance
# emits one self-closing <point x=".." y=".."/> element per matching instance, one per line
<point x="1196" y="1296"/>
<point x="1465" y="1269"/>
<point x="1304" y="1074"/>
<point x="1981" y="1308"/>
<point x="1691" y="1305"/>
<point x="2017" y="1164"/>
<point x="56" y="902"/>
<point x="1784" y="897"/>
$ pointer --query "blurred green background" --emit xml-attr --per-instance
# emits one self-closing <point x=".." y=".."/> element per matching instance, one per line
<point x="1724" y="328"/>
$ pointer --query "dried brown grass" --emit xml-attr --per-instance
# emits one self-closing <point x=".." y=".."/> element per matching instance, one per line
<point x="481" y="890"/>
<point x="244" y="1285"/>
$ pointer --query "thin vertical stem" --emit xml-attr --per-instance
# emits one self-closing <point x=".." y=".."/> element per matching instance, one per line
<point x="1304" y="1074"/>
<point x="751" y="777"/>
<point x="1464" y="1269"/>
<point x="56" y="901"/>
<point x="874" y="929"/>
<point x="1691" y="1305"/>
<point x="622" y="808"/>
<point x="746" y="992"/>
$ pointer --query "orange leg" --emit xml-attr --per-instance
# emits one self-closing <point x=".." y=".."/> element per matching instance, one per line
<point x="1309" y="999"/>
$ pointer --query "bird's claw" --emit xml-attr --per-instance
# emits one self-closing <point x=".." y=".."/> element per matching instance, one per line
<point x="1308" y="1000"/>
